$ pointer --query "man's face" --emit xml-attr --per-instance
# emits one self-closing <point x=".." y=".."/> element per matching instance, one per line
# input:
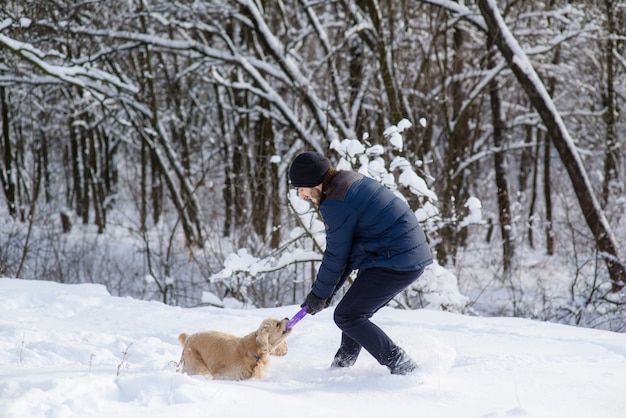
<point x="313" y="194"/>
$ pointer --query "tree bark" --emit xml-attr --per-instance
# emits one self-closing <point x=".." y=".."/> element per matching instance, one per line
<point x="77" y="197"/>
<point x="95" y="180"/>
<point x="542" y="102"/>
<point x="8" y="176"/>
<point x="143" y="203"/>
<point x="611" y="155"/>
<point x="501" y="169"/>
<point x="383" y="52"/>
<point x="547" y="195"/>
<point x="455" y="191"/>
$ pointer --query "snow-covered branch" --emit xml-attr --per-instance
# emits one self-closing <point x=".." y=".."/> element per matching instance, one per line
<point x="100" y="83"/>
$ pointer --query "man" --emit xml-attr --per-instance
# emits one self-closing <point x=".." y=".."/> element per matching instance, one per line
<point x="368" y="229"/>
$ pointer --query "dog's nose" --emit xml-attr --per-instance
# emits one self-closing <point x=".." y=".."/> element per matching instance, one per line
<point x="285" y="319"/>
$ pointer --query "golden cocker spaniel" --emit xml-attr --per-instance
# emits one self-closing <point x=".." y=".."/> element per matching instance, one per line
<point x="217" y="355"/>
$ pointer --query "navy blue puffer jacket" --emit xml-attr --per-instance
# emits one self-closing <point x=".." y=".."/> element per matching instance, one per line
<point x="366" y="226"/>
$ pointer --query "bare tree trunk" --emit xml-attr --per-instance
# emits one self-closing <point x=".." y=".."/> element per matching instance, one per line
<point x="96" y="180"/>
<point x="83" y="142"/>
<point x="8" y="169"/>
<point x="77" y="197"/>
<point x="143" y="198"/>
<point x="547" y="152"/>
<point x="156" y="186"/>
<point x="611" y="154"/>
<point x="529" y="170"/>
<point x="45" y="162"/>
<point x="501" y="168"/>
<point x="31" y="213"/>
<point x="356" y="78"/>
<point x="276" y="207"/>
<point x="526" y="162"/>
<point x="264" y="179"/>
<point x="227" y="192"/>
<point x="547" y="195"/>
<point x="383" y="52"/>
<point x="459" y="139"/>
<point x="225" y="152"/>
<point x="540" y="99"/>
<point x="156" y="170"/>
<point x="534" y="192"/>
<point x="239" y="186"/>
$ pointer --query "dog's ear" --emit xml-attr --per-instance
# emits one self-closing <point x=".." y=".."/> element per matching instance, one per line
<point x="280" y="350"/>
<point x="263" y="340"/>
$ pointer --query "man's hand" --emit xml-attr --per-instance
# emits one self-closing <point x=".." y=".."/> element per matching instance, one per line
<point x="314" y="304"/>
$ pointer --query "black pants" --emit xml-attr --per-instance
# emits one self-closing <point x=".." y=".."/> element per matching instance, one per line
<point x="372" y="289"/>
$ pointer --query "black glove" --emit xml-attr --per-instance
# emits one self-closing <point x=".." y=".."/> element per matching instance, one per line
<point x="314" y="304"/>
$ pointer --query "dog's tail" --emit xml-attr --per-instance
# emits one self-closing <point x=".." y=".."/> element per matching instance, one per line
<point x="182" y="338"/>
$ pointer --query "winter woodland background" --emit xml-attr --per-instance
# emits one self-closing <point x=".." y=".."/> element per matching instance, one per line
<point x="145" y="145"/>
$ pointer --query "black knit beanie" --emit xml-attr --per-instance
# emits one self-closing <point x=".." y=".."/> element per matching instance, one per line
<point x="308" y="169"/>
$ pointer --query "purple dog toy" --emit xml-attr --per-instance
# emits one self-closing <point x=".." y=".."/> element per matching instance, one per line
<point x="296" y="318"/>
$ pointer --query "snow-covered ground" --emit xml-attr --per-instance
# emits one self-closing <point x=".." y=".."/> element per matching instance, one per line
<point x="76" y="351"/>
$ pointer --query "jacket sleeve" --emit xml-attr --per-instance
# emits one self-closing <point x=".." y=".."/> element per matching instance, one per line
<point x="340" y="221"/>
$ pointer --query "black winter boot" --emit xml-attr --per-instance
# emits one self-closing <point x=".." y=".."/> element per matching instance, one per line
<point x="401" y="363"/>
<point x="347" y="354"/>
<point x="344" y="360"/>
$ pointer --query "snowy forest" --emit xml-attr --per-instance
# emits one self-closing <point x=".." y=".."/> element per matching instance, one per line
<point x="145" y="145"/>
